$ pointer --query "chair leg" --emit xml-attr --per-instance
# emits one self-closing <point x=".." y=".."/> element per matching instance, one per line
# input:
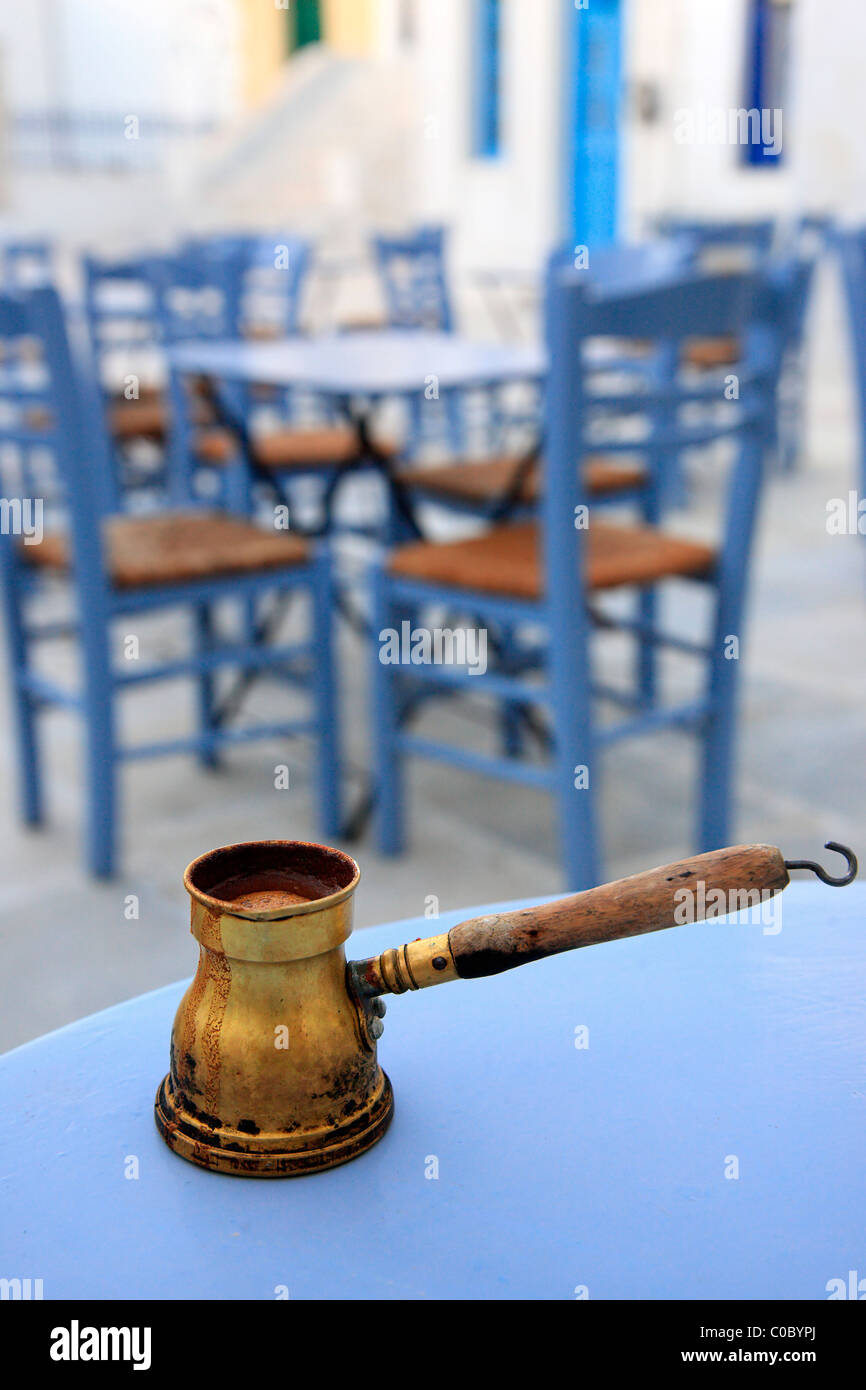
<point x="454" y="408"/>
<point x="236" y="488"/>
<point x="30" y="780"/>
<point x="179" y="445"/>
<point x="101" y="757"/>
<point x="511" y="729"/>
<point x="576" y="772"/>
<point x="717" y="764"/>
<point x="647" y="654"/>
<point x="24" y="712"/>
<point x="204" y="630"/>
<point x="577" y="825"/>
<point x="719" y="735"/>
<point x="652" y="509"/>
<point x="415" y="428"/>
<point x="325" y="695"/>
<point x="385" y="720"/>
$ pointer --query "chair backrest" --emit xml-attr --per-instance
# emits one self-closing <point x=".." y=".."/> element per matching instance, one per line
<point x="414" y="279"/>
<point x="120" y="310"/>
<point x="794" y="278"/>
<point x="50" y="403"/>
<point x="24" y="264"/>
<point x="811" y="234"/>
<point x="758" y="235"/>
<point x="197" y="295"/>
<point x="629" y="265"/>
<point x="274" y="273"/>
<point x="748" y="306"/>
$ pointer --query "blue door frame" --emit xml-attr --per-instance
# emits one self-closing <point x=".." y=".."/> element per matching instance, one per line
<point x="592" y="119"/>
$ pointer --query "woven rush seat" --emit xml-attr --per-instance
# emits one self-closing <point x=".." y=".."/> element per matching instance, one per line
<point x="141" y="419"/>
<point x="151" y="551"/>
<point x="287" y="448"/>
<point x="707" y="353"/>
<point x="507" y="561"/>
<point x="149" y="416"/>
<point x="489" y="480"/>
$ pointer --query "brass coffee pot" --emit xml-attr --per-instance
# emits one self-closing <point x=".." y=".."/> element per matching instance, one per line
<point x="273" y="1053"/>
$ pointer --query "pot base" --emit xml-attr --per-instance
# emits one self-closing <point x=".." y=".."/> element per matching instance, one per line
<point x="223" y="1150"/>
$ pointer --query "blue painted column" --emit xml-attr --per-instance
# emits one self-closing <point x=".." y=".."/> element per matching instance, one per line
<point x="592" y="118"/>
<point x="486" y="97"/>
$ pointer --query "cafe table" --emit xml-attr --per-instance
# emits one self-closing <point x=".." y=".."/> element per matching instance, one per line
<point x="680" y="1115"/>
<point x="353" y="373"/>
<point x="372" y="365"/>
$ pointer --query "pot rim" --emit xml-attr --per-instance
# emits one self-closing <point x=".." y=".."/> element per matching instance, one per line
<point x="225" y="908"/>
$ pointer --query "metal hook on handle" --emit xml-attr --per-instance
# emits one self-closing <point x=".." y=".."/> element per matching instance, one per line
<point x="822" y="873"/>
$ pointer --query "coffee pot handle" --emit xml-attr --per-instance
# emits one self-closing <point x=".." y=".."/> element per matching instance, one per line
<point x="693" y="890"/>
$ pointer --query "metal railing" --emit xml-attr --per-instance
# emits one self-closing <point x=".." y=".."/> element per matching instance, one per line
<point x="96" y="140"/>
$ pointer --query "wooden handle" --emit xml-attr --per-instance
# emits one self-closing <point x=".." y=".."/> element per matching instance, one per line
<point x="707" y="886"/>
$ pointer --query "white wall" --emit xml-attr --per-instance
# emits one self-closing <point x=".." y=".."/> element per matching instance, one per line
<point x="505" y="210"/>
<point x="693" y="54"/>
<point x="175" y="58"/>
<point x="828" y="125"/>
<point x="694" y="51"/>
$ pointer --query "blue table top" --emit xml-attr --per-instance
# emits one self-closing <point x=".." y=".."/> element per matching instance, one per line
<point x="560" y="1168"/>
<point x="386" y="363"/>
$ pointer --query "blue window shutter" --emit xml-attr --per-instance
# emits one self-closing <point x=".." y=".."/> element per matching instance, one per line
<point x="767" y="67"/>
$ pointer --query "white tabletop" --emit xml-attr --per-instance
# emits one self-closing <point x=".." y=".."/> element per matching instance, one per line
<point x="385" y="363"/>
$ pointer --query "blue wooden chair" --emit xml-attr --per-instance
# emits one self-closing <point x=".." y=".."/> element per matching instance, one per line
<point x="26" y="263"/>
<point x="740" y="245"/>
<point x="751" y="242"/>
<point x="125" y="342"/>
<point x="625" y="266"/>
<point x="527" y="577"/>
<point x="791" y="397"/>
<point x="128" y="567"/>
<point x="23" y="264"/>
<point x="216" y="439"/>
<point x="507" y="484"/>
<point x="195" y="295"/>
<point x="274" y="273"/>
<point x="414" y="280"/>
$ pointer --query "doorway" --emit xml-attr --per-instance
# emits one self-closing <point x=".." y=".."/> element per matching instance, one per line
<point x="305" y="23"/>
<point x="593" y="119"/>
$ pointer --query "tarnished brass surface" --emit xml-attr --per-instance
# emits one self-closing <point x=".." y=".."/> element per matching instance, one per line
<point x="273" y="1065"/>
